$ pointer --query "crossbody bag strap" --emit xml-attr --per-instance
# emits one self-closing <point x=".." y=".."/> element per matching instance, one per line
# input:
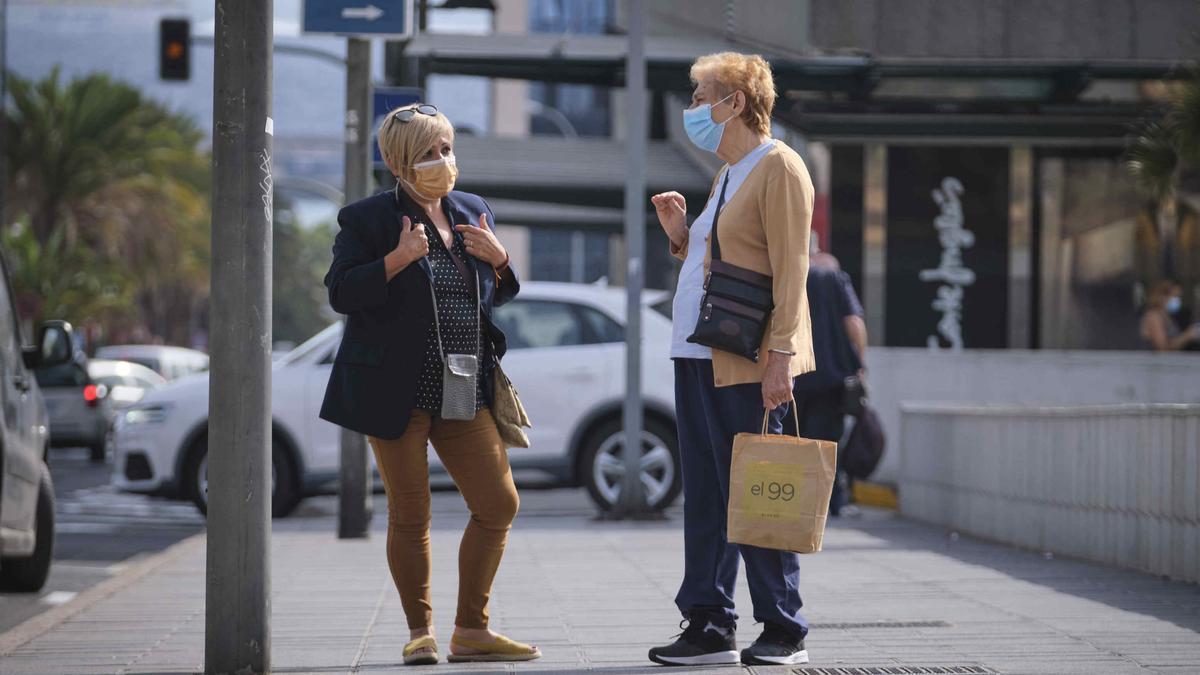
<point x="478" y="317"/>
<point x="437" y="326"/>
<point x="716" y="242"/>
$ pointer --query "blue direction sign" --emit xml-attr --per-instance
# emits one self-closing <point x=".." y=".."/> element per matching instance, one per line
<point x="359" y="17"/>
<point x="385" y="100"/>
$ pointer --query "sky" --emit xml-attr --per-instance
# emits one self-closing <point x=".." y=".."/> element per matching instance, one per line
<point x="120" y="38"/>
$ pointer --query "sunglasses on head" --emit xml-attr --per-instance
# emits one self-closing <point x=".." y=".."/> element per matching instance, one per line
<point x="407" y="115"/>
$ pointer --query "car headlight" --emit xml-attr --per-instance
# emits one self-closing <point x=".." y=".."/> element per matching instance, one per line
<point x="154" y="414"/>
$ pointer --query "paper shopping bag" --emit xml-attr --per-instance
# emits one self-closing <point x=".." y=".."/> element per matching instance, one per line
<point x="779" y="489"/>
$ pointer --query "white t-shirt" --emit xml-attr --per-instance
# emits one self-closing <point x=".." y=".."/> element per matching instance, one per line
<point x="689" y="292"/>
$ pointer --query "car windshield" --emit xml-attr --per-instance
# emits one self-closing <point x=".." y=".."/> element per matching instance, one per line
<point x="663" y="306"/>
<point x="150" y="363"/>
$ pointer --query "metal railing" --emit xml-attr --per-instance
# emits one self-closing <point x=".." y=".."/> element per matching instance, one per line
<point x="1115" y="484"/>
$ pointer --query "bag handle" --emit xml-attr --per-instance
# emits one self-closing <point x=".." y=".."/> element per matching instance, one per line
<point x="795" y="416"/>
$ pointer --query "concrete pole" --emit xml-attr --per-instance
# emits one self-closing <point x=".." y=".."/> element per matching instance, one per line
<point x="3" y="117"/>
<point x="354" y="484"/>
<point x="238" y="615"/>
<point x="632" y="499"/>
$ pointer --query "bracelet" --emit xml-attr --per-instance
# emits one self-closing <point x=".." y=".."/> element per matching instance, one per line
<point x="782" y="351"/>
<point x="503" y="266"/>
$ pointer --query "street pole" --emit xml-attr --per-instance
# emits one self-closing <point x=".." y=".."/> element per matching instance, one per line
<point x="632" y="500"/>
<point x="237" y="636"/>
<point x="3" y="114"/>
<point x="354" y="485"/>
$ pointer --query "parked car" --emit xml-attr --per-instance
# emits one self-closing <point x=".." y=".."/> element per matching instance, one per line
<point x="127" y="382"/>
<point x="566" y="356"/>
<point x="170" y="362"/>
<point x="80" y="412"/>
<point x="26" y="491"/>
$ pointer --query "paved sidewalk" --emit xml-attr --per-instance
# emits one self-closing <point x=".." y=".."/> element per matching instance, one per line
<point x="596" y="595"/>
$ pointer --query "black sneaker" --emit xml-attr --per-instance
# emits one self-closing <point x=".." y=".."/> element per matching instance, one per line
<point x="702" y="643"/>
<point x="777" y="646"/>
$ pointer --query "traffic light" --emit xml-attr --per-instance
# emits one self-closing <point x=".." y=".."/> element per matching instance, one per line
<point x="174" y="49"/>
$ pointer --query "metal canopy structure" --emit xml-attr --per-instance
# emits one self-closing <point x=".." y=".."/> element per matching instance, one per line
<point x="578" y="59"/>
<point x="1050" y="124"/>
<point x="843" y="96"/>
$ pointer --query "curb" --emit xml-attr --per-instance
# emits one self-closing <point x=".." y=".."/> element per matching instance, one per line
<point x="135" y="570"/>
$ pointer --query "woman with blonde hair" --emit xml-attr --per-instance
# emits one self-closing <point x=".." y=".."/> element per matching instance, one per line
<point x="736" y="354"/>
<point x="417" y="271"/>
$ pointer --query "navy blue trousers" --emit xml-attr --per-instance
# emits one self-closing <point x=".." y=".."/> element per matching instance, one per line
<point x="708" y="418"/>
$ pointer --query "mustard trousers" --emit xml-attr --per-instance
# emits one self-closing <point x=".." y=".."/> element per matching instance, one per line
<point x="476" y="459"/>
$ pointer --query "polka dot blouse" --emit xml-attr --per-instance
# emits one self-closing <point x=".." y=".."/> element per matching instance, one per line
<point x="456" y="311"/>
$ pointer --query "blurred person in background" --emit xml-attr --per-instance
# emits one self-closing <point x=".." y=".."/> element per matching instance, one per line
<point x="840" y="345"/>
<point x="1158" y="327"/>
<point x="417" y="271"/>
<point x="763" y="227"/>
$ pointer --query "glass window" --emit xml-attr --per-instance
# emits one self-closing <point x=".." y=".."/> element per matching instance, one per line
<point x="1099" y="252"/>
<point x="664" y="306"/>
<point x="66" y="375"/>
<point x="535" y="324"/>
<point x="602" y="329"/>
<point x="150" y="363"/>
<point x="562" y="255"/>
<point x="570" y="109"/>
<point x="570" y="16"/>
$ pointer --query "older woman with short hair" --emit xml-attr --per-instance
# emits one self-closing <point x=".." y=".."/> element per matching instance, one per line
<point x="417" y="271"/>
<point x="764" y="199"/>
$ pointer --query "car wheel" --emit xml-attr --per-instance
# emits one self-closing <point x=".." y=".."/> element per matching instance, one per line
<point x="602" y="468"/>
<point x="285" y="491"/>
<point x="98" y="452"/>
<point x="28" y="575"/>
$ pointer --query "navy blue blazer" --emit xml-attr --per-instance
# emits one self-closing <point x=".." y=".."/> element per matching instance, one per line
<point x="373" y="385"/>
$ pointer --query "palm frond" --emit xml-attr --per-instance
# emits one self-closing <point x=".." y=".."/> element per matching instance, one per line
<point x="1153" y="157"/>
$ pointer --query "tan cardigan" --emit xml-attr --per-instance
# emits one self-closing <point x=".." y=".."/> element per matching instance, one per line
<point x="765" y="228"/>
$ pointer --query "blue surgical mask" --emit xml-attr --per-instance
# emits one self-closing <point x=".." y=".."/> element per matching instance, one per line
<point x="700" y="127"/>
<point x="1174" y="304"/>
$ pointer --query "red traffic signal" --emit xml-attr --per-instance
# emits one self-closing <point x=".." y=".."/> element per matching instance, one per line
<point x="174" y="50"/>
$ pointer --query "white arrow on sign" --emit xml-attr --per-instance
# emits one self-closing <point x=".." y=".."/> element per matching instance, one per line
<point x="370" y="12"/>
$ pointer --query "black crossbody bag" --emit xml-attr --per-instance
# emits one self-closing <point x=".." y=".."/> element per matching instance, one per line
<point x="737" y="302"/>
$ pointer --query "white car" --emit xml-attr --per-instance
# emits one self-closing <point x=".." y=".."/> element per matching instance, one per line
<point x="170" y="362"/>
<point x="126" y="382"/>
<point x="566" y="356"/>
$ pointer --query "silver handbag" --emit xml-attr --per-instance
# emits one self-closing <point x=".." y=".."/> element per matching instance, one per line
<point x="460" y="372"/>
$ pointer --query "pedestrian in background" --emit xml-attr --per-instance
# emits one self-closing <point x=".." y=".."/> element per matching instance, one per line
<point x="840" y="344"/>
<point x="1158" y="327"/>
<point x="417" y="271"/>
<point x="764" y="199"/>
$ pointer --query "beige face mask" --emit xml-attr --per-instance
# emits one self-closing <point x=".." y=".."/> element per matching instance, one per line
<point x="434" y="179"/>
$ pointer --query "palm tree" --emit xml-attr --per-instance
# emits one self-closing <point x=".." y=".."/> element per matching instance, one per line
<point x="95" y="166"/>
<point x="1164" y="149"/>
